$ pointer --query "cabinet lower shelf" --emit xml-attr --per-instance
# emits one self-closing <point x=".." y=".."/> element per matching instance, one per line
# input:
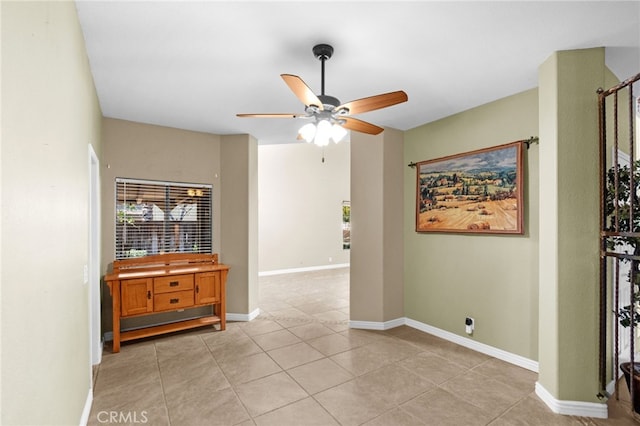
<point x="163" y="284"/>
<point x="168" y="328"/>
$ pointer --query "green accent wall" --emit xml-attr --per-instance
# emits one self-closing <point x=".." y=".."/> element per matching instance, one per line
<point x="569" y="223"/>
<point x="534" y="295"/>
<point x="492" y="278"/>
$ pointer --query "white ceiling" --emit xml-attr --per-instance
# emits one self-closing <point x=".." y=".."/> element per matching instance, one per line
<point x="195" y="64"/>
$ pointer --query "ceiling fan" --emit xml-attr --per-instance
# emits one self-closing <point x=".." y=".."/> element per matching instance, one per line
<point x="329" y="117"/>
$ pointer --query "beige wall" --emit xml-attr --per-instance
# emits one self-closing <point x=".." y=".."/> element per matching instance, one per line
<point x="300" y="205"/>
<point x="228" y="163"/>
<point x="144" y="151"/>
<point x="492" y="278"/>
<point x="50" y="116"/>
<point x="239" y="212"/>
<point x="376" y="276"/>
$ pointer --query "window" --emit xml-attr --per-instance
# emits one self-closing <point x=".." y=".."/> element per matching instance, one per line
<point x="162" y="217"/>
<point x="346" y="225"/>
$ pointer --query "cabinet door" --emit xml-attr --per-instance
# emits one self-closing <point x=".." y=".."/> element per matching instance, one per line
<point x="136" y="296"/>
<point x="207" y="288"/>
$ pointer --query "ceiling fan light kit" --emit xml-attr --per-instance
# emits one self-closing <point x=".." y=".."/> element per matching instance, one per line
<point x="331" y="119"/>
<point x="322" y="133"/>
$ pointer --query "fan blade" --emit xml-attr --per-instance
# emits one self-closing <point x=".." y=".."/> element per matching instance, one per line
<point x="361" y="126"/>
<point x="374" y="102"/>
<point x="301" y="90"/>
<point x="270" y="115"/>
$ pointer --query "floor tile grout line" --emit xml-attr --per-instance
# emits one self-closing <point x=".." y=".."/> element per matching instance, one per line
<point x="164" y="394"/>
<point x="482" y="369"/>
<point x="231" y="385"/>
<point x="511" y="407"/>
<point x="282" y="370"/>
<point x="309" y="395"/>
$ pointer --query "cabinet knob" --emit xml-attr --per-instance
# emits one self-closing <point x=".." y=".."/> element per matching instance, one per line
<point x="148" y="294"/>
<point x="174" y="283"/>
<point x="197" y="288"/>
<point x="173" y="301"/>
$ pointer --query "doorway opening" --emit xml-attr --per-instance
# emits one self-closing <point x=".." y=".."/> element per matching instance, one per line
<point x="93" y="267"/>
<point x="304" y="233"/>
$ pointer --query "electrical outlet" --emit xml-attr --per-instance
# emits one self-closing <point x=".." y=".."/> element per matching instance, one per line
<point x="469" y="324"/>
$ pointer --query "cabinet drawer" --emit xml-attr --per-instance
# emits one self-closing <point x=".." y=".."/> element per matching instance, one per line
<point x="173" y="300"/>
<point x="172" y="283"/>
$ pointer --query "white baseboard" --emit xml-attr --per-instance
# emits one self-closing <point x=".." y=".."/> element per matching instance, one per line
<point x="372" y="325"/>
<point x="518" y="360"/>
<point x="509" y="357"/>
<point x="98" y="359"/>
<point x="572" y="408"/>
<point x="306" y="269"/>
<point x="243" y="317"/>
<point x="86" y="411"/>
<point x="611" y="388"/>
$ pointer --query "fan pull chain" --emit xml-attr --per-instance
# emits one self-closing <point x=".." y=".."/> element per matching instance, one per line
<point x="323" y="154"/>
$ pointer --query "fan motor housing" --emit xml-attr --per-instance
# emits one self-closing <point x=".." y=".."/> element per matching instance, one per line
<point x="329" y="101"/>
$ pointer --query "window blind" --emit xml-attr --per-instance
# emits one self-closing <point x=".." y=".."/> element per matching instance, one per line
<point x="155" y="217"/>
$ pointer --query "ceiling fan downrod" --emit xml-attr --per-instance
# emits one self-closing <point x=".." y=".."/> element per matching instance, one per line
<point x="324" y="52"/>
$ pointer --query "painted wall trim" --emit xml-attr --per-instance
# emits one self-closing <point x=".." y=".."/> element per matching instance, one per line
<point x="509" y="357"/>
<point x="305" y="269"/>
<point x="373" y="325"/>
<point x="243" y="317"/>
<point x="86" y="411"/>
<point x="572" y="408"/>
<point x="611" y="387"/>
<point x="101" y="349"/>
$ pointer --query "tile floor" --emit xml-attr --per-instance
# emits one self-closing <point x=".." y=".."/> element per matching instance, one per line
<point x="298" y="364"/>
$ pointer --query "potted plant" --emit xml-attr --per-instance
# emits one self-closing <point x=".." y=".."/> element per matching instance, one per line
<point x="621" y="218"/>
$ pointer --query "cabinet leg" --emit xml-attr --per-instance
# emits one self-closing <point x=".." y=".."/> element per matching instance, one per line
<point x="116" y="317"/>
<point x="221" y="314"/>
<point x="116" y="334"/>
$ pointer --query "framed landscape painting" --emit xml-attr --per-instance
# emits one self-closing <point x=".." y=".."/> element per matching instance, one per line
<point x="474" y="192"/>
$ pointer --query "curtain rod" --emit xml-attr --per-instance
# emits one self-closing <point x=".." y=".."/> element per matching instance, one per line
<point x="527" y="142"/>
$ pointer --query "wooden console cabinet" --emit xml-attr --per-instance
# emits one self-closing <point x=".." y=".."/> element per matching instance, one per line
<point x="165" y="283"/>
